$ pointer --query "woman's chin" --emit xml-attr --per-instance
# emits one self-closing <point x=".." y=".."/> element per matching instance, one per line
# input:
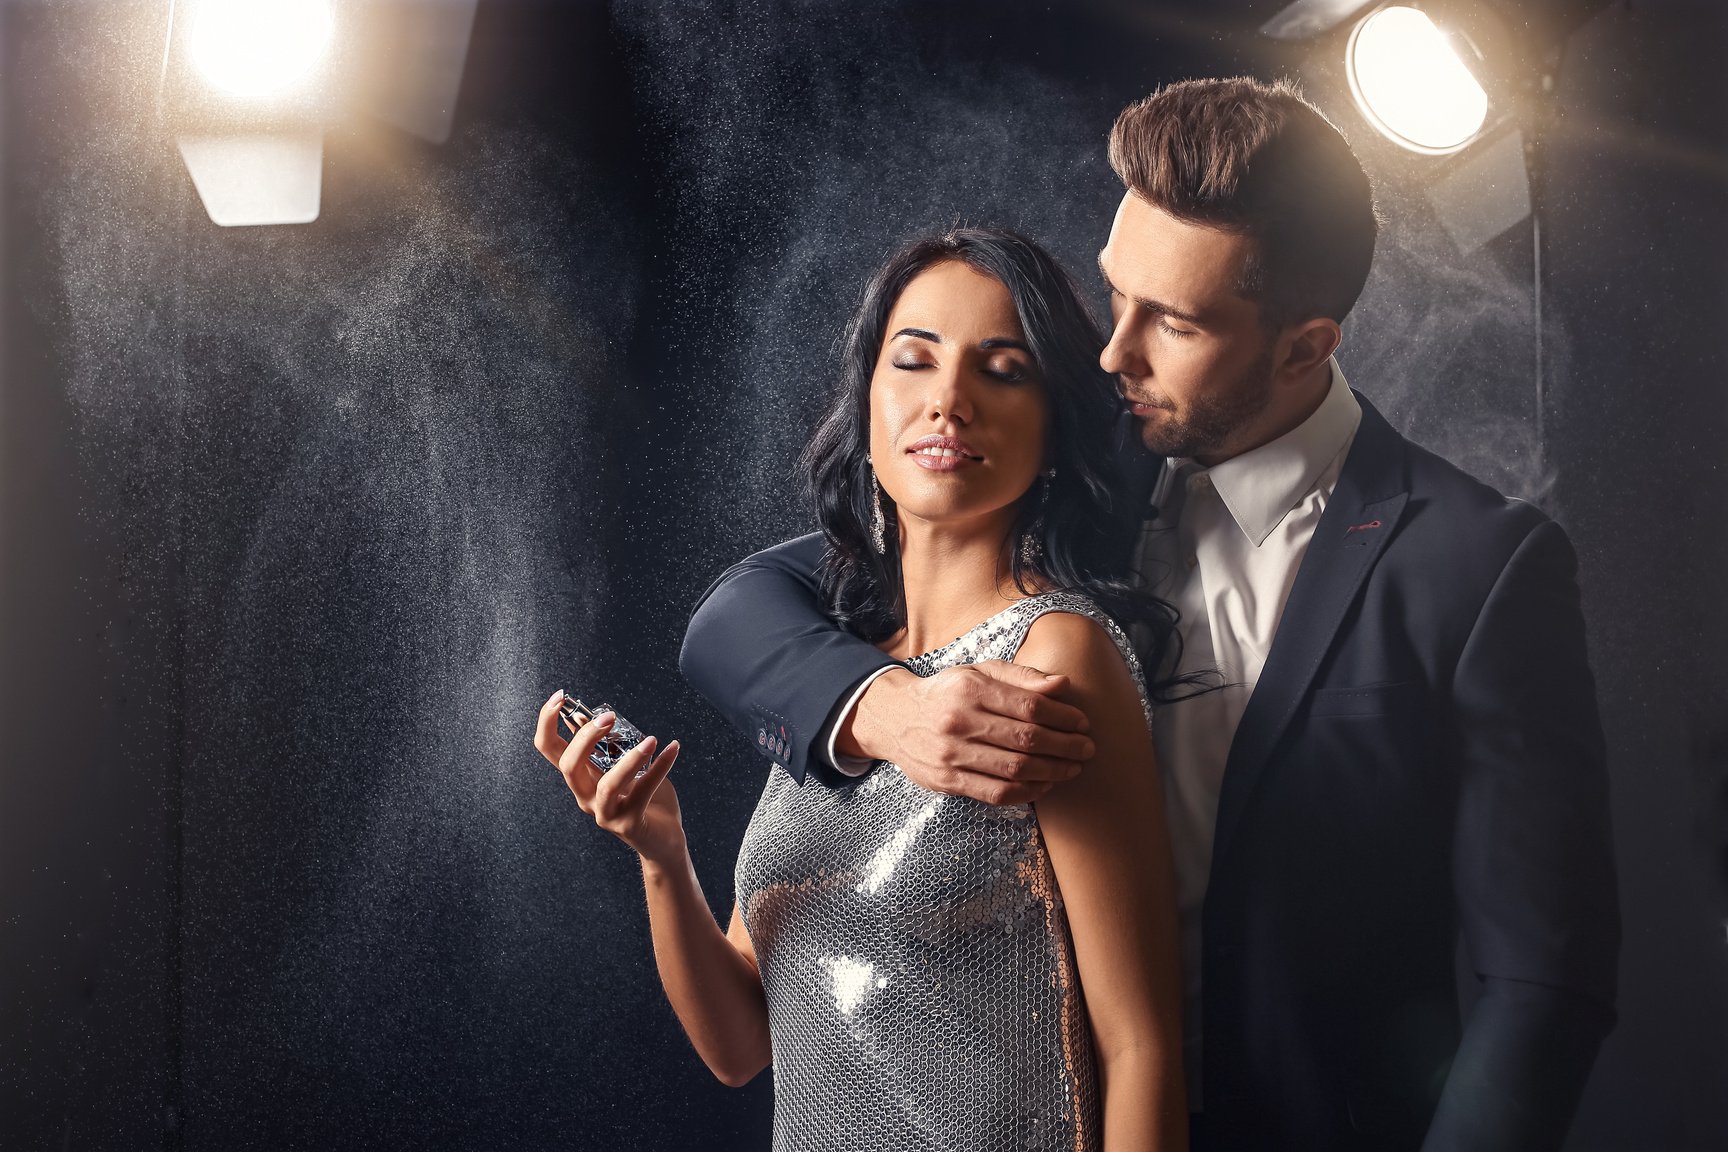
<point x="932" y="512"/>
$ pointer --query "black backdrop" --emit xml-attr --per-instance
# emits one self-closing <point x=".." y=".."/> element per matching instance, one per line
<point x="298" y="526"/>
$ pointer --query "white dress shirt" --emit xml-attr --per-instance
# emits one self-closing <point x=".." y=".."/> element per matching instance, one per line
<point x="1225" y="550"/>
<point x="826" y="739"/>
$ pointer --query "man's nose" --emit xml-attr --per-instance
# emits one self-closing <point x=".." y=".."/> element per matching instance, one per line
<point x="1123" y="356"/>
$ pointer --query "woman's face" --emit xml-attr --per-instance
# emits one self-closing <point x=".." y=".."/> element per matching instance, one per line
<point x="957" y="405"/>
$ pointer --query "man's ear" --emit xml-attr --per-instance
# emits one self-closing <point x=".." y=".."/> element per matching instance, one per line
<point x="1304" y="347"/>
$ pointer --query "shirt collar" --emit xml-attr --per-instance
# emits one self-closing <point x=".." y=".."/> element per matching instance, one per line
<point x="1261" y="486"/>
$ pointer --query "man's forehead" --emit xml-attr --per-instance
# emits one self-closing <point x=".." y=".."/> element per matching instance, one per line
<point x="1153" y="253"/>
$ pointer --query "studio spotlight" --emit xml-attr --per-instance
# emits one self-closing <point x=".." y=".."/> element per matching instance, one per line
<point x="1463" y="89"/>
<point x="1437" y="76"/>
<point x="249" y="87"/>
<point x="1410" y="83"/>
<point x="260" y="49"/>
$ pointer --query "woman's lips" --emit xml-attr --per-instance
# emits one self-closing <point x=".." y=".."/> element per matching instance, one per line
<point x="936" y="463"/>
<point x="943" y="453"/>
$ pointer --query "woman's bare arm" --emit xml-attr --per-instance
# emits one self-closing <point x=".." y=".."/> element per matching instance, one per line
<point x="1110" y="848"/>
<point x="710" y="976"/>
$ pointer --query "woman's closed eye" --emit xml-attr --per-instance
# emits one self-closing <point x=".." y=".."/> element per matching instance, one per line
<point x="1007" y="371"/>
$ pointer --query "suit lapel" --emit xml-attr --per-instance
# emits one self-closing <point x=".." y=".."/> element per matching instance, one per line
<point x="1360" y="518"/>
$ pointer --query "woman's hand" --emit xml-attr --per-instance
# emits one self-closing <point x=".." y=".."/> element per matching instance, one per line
<point x="634" y="801"/>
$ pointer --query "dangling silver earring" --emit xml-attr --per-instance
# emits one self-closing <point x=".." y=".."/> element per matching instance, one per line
<point x="1031" y="547"/>
<point x="878" y="524"/>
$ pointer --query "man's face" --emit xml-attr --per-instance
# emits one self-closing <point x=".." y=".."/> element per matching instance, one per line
<point x="1187" y="349"/>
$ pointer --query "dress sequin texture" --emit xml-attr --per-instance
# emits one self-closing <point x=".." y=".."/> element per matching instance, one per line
<point x="915" y="954"/>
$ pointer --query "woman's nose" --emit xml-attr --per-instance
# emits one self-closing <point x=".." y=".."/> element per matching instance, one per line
<point x="950" y="395"/>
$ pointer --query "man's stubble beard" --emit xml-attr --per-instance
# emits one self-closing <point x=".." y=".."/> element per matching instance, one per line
<point x="1213" y="420"/>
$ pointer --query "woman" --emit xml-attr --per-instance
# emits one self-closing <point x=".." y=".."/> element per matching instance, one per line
<point x="913" y="963"/>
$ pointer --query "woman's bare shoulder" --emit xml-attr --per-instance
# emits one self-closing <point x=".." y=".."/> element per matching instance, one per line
<point x="1076" y="645"/>
<point x="1102" y="685"/>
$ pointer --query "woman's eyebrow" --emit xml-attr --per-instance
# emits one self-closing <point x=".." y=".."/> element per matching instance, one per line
<point x="993" y="342"/>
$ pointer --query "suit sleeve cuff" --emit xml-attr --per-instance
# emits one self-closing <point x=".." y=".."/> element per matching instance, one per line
<point x="847" y="765"/>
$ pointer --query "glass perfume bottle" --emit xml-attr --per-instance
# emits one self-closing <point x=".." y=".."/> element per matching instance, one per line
<point x="623" y="737"/>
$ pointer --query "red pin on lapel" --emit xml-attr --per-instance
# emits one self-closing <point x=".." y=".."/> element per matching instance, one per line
<point x="1362" y="527"/>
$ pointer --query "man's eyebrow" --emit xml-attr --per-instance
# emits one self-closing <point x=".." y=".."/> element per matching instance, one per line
<point x="1150" y="305"/>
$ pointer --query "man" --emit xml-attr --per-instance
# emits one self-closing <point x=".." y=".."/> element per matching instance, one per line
<point x="1405" y="745"/>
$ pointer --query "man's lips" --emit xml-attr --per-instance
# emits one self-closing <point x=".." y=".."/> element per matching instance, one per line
<point x="1141" y="407"/>
<point x="943" y="453"/>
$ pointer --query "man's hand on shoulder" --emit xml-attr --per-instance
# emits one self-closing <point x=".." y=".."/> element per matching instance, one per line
<point x="993" y="731"/>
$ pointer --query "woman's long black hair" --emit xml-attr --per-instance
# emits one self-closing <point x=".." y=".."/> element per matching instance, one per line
<point x="1086" y="532"/>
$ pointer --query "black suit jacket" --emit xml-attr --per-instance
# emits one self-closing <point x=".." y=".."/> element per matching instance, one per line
<point x="1421" y="756"/>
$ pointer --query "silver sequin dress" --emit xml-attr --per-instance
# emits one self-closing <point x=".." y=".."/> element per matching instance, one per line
<point x="916" y="957"/>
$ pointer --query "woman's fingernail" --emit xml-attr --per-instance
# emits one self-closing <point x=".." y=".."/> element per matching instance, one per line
<point x="605" y="719"/>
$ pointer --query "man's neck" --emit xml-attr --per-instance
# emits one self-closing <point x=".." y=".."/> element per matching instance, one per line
<point x="1283" y="416"/>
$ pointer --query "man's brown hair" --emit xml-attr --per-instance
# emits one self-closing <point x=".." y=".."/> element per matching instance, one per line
<point x="1254" y="158"/>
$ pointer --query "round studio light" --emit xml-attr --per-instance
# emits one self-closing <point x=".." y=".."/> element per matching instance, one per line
<point x="259" y="49"/>
<point x="1410" y="83"/>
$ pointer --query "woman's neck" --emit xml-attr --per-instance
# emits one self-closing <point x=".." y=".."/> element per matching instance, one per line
<point x="955" y="576"/>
